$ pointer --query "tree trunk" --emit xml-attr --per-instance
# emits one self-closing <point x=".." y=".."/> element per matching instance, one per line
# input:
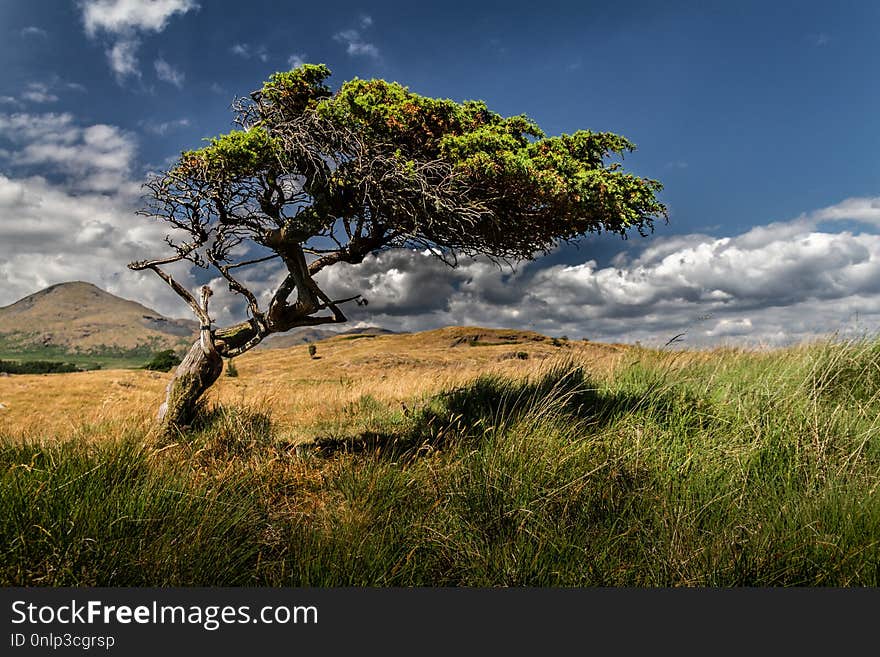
<point x="203" y="364"/>
<point x="196" y="373"/>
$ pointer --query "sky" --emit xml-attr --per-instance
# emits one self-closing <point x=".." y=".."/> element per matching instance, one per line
<point x="759" y="118"/>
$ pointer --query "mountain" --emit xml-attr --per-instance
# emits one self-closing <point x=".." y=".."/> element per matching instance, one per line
<point x="306" y="335"/>
<point x="81" y="320"/>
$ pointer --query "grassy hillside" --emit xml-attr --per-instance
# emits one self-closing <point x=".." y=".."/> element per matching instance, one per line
<point x="80" y="323"/>
<point x="579" y="465"/>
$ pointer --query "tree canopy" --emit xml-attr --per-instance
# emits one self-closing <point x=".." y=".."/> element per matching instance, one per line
<point x="316" y="177"/>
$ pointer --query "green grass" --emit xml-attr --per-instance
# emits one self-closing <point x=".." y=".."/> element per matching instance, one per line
<point x="106" y="357"/>
<point x="743" y="469"/>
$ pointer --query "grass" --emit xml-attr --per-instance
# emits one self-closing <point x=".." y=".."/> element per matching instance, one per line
<point x="108" y="358"/>
<point x="721" y="468"/>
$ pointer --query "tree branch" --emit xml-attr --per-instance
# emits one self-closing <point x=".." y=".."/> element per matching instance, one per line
<point x="181" y="291"/>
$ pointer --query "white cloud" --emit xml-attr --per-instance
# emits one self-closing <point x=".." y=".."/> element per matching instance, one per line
<point x="167" y="73"/>
<point x="76" y="220"/>
<point x="164" y="127"/>
<point x="93" y="158"/>
<point x="122" y="56"/>
<point x="38" y="92"/>
<point x="123" y="20"/>
<point x="127" y="16"/>
<point x="248" y="51"/>
<point x="41" y="92"/>
<point x="34" y="31"/>
<point x="296" y="60"/>
<point x="771" y="284"/>
<point x="777" y="283"/>
<point x="50" y="234"/>
<point x="355" y="43"/>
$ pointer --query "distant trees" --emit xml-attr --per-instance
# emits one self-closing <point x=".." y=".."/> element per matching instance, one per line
<point x="37" y="367"/>
<point x="315" y="177"/>
<point x="163" y="361"/>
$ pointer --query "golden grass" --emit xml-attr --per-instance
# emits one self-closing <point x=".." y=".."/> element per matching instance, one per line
<point x="297" y="390"/>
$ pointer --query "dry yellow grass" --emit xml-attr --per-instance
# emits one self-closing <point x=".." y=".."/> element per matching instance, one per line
<point x="297" y="390"/>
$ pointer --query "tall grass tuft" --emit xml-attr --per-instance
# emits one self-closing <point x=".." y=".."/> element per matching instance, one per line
<point x="726" y="468"/>
<point x="114" y="515"/>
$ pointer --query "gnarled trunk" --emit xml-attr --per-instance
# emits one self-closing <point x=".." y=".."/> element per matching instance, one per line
<point x="196" y="373"/>
<point x="203" y="363"/>
<point x="200" y="369"/>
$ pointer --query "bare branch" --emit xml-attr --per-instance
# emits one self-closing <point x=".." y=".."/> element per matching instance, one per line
<point x="247" y="263"/>
<point x="181" y="291"/>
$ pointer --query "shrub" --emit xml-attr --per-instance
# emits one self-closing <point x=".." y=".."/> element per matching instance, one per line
<point x="163" y="361"/>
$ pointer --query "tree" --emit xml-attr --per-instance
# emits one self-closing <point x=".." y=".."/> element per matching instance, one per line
<point x="313" y="177"/>
<point x="163" y="361"/>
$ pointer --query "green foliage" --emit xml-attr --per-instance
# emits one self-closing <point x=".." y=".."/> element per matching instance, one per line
<point x="453" y="174"/>
<point x="539" y="189"/>
<point x="235" y="154"/>
<point x="231" y="369"/>
<point x="163" y="361"/>
<point x="313" y="350"/>
<point x="292" y="92"/>
<point x="38" y="367"/>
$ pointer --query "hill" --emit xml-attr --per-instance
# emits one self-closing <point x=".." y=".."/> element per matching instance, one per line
<point x="308" y="335"/>
<point x="80" y="322"/>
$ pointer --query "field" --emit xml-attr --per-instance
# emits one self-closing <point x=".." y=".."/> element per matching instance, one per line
<point x="464" y="457"/>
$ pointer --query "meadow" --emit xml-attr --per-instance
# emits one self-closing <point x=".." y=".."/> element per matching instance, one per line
<point x="459" y="457"/>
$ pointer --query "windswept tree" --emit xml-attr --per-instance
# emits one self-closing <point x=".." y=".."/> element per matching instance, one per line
<point x="314" y="177"/>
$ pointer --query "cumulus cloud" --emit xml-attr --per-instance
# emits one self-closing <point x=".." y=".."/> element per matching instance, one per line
<point x="122" y="21"/>
<point x="125" y="16"/>
<point x="354" y="41"/>
<point x="74" y="219"/>
<point x="167" y="73"/>
<point x="94" y="158"/>
<point x="69" y="191"/>
<point x="772" y="284"/>
<point x="51" y="234"/>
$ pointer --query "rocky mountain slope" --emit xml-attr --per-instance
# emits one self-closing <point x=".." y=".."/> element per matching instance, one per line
<point x="79" y="318"/>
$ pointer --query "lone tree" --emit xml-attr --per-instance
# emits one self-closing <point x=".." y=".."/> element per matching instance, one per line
<point x="314" y="177"/>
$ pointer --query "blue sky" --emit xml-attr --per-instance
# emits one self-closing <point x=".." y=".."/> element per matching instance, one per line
<point x="752" y="114"/>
